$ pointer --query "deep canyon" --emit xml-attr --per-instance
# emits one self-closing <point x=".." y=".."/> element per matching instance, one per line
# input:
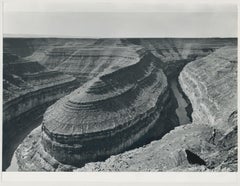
<point x="120" y="104"/>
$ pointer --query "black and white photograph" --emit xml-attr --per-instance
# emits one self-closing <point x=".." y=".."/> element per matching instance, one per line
<point x="95" y="92"/>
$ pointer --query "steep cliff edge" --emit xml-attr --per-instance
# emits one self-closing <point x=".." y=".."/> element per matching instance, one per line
<point x="210" y="142"/>
<point x="26" y="83"/>
<point x="211" y="85"/>
<point x="28" y="89"/>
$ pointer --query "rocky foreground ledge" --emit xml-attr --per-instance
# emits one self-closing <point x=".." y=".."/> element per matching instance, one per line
<point x="207" y="144"/>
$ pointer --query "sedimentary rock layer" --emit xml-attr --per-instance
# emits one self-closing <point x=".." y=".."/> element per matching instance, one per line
<point x="169" y="50"/>
<point x="211" y="84"/>
<point x="28" y="84"/>
<point x="28" y="87"/>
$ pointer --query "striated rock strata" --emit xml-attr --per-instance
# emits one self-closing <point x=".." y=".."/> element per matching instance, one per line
<point x="28" y="88"/>
<point x="215" y="87"/>
<point x="27" y="84"/>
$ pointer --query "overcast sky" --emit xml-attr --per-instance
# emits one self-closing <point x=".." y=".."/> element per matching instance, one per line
<point x="116" y="20"/>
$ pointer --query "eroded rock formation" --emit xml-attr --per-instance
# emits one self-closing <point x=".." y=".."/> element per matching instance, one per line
<point x="214" y="81"/>
<point x="28" y="87"/>
<point x="126" y="102"/>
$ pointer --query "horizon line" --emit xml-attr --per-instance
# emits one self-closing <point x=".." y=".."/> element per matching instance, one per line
<point x="35" y="36"/>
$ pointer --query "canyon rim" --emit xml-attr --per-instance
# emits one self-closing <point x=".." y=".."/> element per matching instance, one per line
<point x="120" y="104"/>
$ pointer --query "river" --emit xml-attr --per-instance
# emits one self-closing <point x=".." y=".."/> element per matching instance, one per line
<point x="182" y="104"/>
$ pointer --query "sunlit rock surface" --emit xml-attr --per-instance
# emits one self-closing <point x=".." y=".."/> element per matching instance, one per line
<point x="211" y="85"/>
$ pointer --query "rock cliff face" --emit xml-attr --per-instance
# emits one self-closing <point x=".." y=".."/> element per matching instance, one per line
<point x="210" y="142"/>
<point x="56" y="51"/>
<point x="176" y="53"/>
<point x="27" y="84"/>
<point x="127" y="102"/>
<point x="214" y="83"/>
<point x="84" y="58"/>
<point x="28" y="87"/>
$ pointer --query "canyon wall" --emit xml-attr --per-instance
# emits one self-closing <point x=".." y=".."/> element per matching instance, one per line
<point x="29" y="75"/>
<point x="214" y="83"/>
<point x="28" y="84"/>
<point x="28" y="89"/>
<point x="24" y="102"/>
<point x="175" y="53"/>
